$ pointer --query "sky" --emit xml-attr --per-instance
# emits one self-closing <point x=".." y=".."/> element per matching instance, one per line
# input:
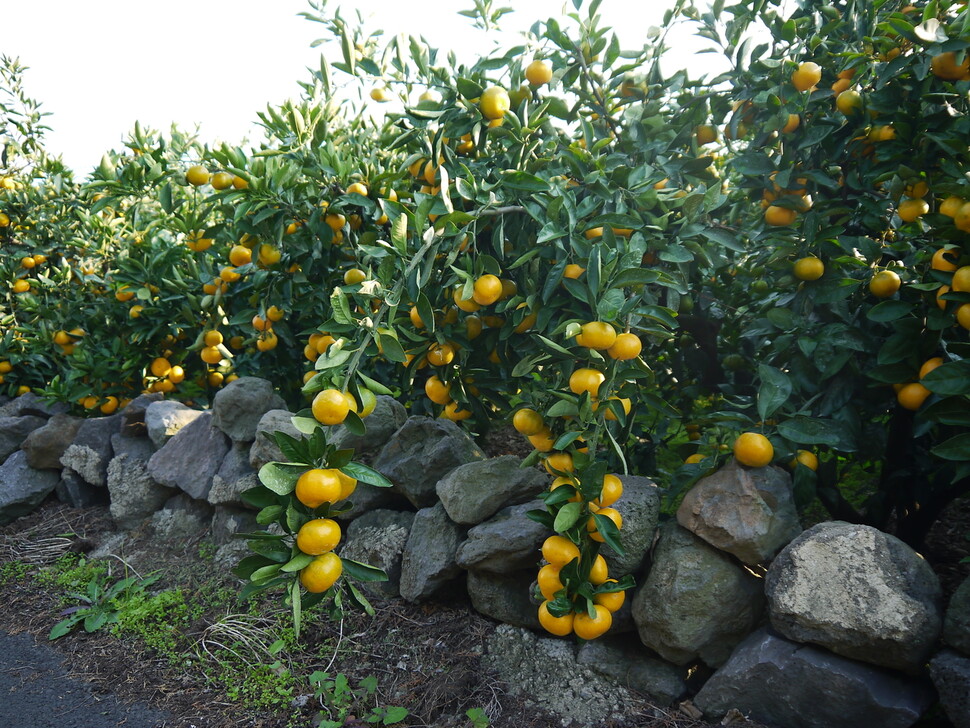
<point x="100" y="66"/>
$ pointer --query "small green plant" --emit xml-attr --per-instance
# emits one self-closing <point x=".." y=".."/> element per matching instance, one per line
<point x="155" y="619"/>
<point x="100" y="604"/>
<point x="71" y="573"/>
<point x="478" y="717"/>
<point x="207" y="550"/>
<point x="339" y="698"/>
<point x="13" y="571"/>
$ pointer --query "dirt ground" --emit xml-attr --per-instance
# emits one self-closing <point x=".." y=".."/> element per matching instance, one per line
<point x="426" y="658"/>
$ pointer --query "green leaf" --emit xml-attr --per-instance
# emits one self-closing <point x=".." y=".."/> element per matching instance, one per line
<point x="265" y="573"/>
<point x="268" y="514"/>
<point x="341" y="307"/>
<point x="363" y="572"/>
<point x="956" y="448"/>
<point x="298" y="562"/>
<point x="281" y="477"/>
<point x="306" y="425"/>
<point x="63" y="627"/>
<point x="366" y="475"/>
<point x="296" y="598"/>
<point x="373" y="385"/>
<point x="391" y="347"/>
<point x="567" y="517"/>
<point x="674" y="253"/>
<point x="399" y="234"/>
<point x="245" y="568"/>
<point x="258" y="497"/>
<point x="951" y="378"/>
<point x="394" y="714"/>
<point x="948" y="411"/>
<point x="468" y="88"/>
<point x="541" y="517"/>
<point x="775" y="390"/>
<point x="354" y="424"/>
<point x="329" y="361"/>
<point x="552" y="345"/>
<point x="634" y="276"/>
<point x="888" y="311"/>
<point x="524" y="181"/>
<point x="610" y="533"/>
<point x="813" y="431"/>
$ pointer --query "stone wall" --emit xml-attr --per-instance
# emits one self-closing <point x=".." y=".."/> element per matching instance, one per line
<point x="837" y="625"/>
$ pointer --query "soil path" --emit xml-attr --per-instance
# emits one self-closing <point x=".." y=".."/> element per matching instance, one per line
<point x="36" y="692"/>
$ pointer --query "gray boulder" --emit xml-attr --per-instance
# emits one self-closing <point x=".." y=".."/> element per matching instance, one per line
<point x="545" y="673"/>
<point x="640" y="507"/>
<point x="45" y="445"/>
<point x="507" y="542"/>
<point x="227" y="522"/>
<point x="14" y="430"/>
<point x="696" y="601"/>
<point x="428" y="561"/>
<point x="77" y="493"/>
<point x="163" y="419"/>
<point x="31" y="405"/>
<point x="386" y="419"/>
<point x="264" y="449"/>
<point x="421" y="453"/>
<point x="859" y="592"/>
<point x="235" y="475"/>
<point x="90" y="452"/>
<point x="472" y="492"/>
<point x="135" y="495"/>
<point x="950" y="672"/>
<point x="238" y="407"/>
<point x="748" y="512"/>
<point x="367" y="498"/>
<point x="781" y="683"/>
<point x="136" y="448"/>
<point x="378" y="538"/>
<point x="634" y="668"/>
<point x="22" y="488"/>
<point x="229" y="493"/>
<point x="504" y="597"/>
<point x="191" y="458"/>
<point x="956" y="623"/>
<point x="133" y="415"/>
<point x="182" y="518"/>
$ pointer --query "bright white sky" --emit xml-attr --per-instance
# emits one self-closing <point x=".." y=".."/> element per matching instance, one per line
<point x="100" y="66"/>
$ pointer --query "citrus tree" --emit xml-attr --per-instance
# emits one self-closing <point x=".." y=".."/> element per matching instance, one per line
<point x="841" y="328"/>
<point x="518" y="236"/>
<point x="641" y="273"/>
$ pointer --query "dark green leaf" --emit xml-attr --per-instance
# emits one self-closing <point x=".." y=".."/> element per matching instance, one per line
<point x="775" y="389"/>
<point x="888" y="311"/>
<point x="951" y="378"/>
<point x="363" y="572"/>
<point x="956" y="448"/>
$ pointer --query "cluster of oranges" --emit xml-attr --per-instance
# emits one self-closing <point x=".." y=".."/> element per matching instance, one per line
<point x="29" y="263"/>
<point x="585" y="619"/>
<point x="323" y="488"/>
<point x="318" y="537"/>
<point x="197" y="176"/>
<point x="213" y="356"/>
<point x="591" y="622"/>
<point x="793" y="201"/>
<point x="266" y="339"/>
